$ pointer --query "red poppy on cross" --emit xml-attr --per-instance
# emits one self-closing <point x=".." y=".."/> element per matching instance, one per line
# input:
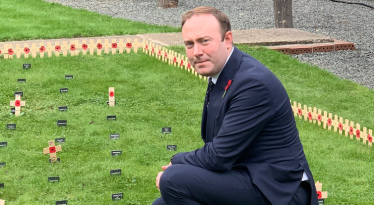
<point x="112" y="101"/>
<point x="10" y="51"/>
<point x="99" y="46"/>
<point x="340" y="126"/>
<point x="17" y="103"/>
<point x="51" y="150"/>
<point x="310" y="117"/>
<point x="26" y="50"/>
<point x="300" y="111"/>
<point x="42" y="49"/>
<point x="57" y="48"/>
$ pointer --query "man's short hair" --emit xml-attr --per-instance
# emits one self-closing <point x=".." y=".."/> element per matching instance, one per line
<point x="220" y="16"/>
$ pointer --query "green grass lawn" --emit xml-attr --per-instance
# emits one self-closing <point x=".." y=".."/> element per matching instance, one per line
<point x="36" y="19"/>
<point x="150" y="95"/>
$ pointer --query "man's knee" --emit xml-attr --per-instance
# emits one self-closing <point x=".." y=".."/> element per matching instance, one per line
<point x="174" y="176"/>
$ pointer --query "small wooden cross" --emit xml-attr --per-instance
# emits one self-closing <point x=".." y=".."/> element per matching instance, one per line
<point x="320" y="194"/>
<point x="112" y="102"/>
<point x="17" y="103"/>
<point x="51" y="150"/>
<point x="2" y="202"/>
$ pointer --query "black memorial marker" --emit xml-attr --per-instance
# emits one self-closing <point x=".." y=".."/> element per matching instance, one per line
<point x="53" y="179"/>
<point x="111" y="117"/>
<point x="63" y="108"/>
<point x="166" y="130"/>
<point x="18" y="93"/>
<point x="2" y="164"/>
<point x="114" y="136"/>
<point x="60" y="140"/>
<point x="21" y="80"/>
<point x="116" y="153"/>
<point x="1" y="185"/>
<point x="3" y="144"/>
<point x="13" y="110"/>
<point x="11" y="126"/>
<point x="64" y="90"/>
<point x="171" y="147"/>
<point x="62" y="123"/>
<point x="63" y="202"/>
<point x="68" y="77"/>
<point x="118" y="196"/>
<point x="321" y="201"/>
<point x="27" y="66"/>
<point x="115" y="172"/>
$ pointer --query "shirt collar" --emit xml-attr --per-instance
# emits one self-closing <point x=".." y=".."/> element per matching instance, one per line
<point x="215" y="77"/>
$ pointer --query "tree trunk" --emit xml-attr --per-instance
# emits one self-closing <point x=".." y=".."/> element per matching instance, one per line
<point x="283" y="13"/>
<point x="167" y="3"/>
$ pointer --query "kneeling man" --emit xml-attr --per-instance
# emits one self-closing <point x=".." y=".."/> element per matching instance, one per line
<point x="252" y="152"/>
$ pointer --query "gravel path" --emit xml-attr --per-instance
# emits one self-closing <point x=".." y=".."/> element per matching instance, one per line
<point x="353" y="23"/>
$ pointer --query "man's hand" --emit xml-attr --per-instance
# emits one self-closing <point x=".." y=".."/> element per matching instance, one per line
<point x="165" y="167"/>
<point x="159" y="176"/>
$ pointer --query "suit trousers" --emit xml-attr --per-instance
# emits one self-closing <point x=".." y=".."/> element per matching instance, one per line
<point x="191" y="185"/>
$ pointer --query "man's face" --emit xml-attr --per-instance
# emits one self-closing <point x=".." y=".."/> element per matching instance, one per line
<point x="205" y="49"/>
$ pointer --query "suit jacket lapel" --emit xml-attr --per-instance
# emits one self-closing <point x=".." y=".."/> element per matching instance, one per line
<point x="216" y="99"/>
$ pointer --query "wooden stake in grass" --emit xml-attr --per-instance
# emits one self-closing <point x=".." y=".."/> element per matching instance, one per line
<point x="51" y="150"/>
<point x="2" y="202"/>
<point x="112" y="102"/>
<point x="320" y="193"/>
<point x="17" y="103"/>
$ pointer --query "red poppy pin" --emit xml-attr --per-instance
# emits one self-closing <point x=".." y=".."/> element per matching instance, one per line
<point x="57" y="48"/>
<point x="26" y="50"/>
<point x="17" y="103"/>
<point x="340" y="126"/>
<point x="72" y="47"/>
<point x="114" y="45"/>
<point x="300" y="111"/>
<point x="310" y="117"/>
<point x="41" y="49"/>
<point x="10" y="51"/>
<point x="84" y="46"/>
<point x="227" y="87"/>
<point x="52" y="149"/>
<point x="99" y="46"/>
<point x="358" y="133"/>
<point x="329" y="122"/>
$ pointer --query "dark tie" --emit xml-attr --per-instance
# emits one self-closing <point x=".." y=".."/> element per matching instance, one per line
<point x="209" y="91"/>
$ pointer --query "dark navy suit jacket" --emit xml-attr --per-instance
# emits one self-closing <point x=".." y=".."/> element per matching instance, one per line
<point x="252" y="128"/>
